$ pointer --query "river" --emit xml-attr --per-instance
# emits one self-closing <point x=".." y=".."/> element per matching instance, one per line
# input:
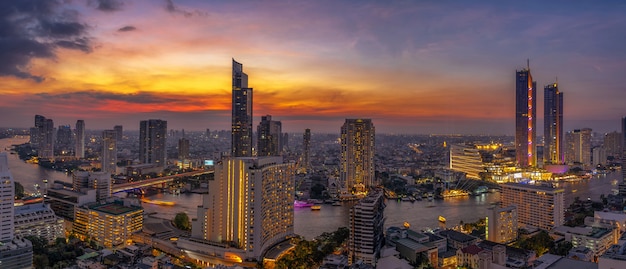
<point x="309" y="224"/>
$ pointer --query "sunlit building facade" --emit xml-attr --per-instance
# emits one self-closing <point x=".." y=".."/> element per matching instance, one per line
<point x="537" y="206"/>
<point x="249" y="206"/>
<point x="110" y="224"/>
<point x="108" y="157"/>
<point x="553" y="125"/>
<point x="525" y="119"/>
<point x="502" y="224"/>
<point x="152" y="137"/>
<point x="356" y="169"/>
<point x="269" y="137"/>
<point x="367" y="223"/>
<point x="242" y="113"/>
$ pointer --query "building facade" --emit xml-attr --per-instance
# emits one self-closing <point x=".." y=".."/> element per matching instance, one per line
<point x="108" y="158"/>
<point x="152" y="138"/>
<point x="466" y="159"/>
<point x="79" y="149"/>
<point x="525" y="119"/>
<point x="579" y="147"/>
<point x="502" y="224"/>
<point x="553" y="125"/>
<point x="306" y="149"/>
<point x="241" y="113"/>
<point x="356" y="170"/>
<point x="7" y="192"/>
<point x="537" y="206"/>
<point x="38" y="220"/>
<point x="111" y="224"/>
<point x="249" y="205"/>
<point x="269" y="137"/>
<point x="366" y="226"/>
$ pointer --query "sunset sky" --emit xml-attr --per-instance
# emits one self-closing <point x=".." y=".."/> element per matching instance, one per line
<point x="412" y="66"/>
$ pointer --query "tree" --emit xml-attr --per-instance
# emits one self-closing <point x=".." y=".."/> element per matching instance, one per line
<point x="181" y="221"/>
<point x="39" y="244"/>
<point x="19" y="190"/>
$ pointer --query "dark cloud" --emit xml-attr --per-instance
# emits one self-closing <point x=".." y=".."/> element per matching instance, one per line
<point x="108" y="5"/>
<point x="100" y="96"/>
<point x="127" y="28"/>
<point x="170" y="7"/>
<point x="34" y="29"/>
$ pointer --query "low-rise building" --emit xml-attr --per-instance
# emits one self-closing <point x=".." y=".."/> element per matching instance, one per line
<point x="17" y="254"/>
<point x="458" y="240"/>
<point x="598" y="240"/>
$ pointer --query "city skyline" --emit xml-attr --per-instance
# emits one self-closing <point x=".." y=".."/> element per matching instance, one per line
<point x="449" y="67"/>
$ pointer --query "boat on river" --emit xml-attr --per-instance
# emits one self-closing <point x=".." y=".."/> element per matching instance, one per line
<point x="441" y="219"/>
<point x="316" y="207"/>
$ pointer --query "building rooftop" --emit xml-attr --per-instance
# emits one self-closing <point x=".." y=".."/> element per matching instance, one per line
<point x="414" y="245"/>
<point x="533" y="187"/>
<point x="472" y="249"/>
<point x="31" y="208"/>
<point x="457" y="236"/>
<point x="114" y="208"/>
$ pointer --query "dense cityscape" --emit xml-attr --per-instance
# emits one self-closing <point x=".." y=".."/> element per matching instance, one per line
<point x="266" y="193"/>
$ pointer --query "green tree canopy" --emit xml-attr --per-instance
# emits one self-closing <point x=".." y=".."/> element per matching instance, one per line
<point x="181" y="221"/>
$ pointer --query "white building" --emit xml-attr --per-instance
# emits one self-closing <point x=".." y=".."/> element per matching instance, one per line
<point x="502" y="224"/>
<point x="537" y="206"/>
<point x="38" y="220"/>
<point x="466" y="158"/>
<point x="7" y="193"/>
<point x="598" y="240"/>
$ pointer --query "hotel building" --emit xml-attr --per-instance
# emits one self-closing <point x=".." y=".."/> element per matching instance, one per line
<point x="525" y="119"/>
<point x="466" y="159"/>
<point x="109" y="223"/>
<point x="502" y="224"/>
<point x="537" y="206"/>
<point x="366" y="229"/>
<point x="242" y="113"/>
<point x="356" y="171"/>
<point x="249" y="208"/>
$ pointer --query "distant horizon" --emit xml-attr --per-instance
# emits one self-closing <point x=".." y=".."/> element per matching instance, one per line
<point x="416" y="67"/>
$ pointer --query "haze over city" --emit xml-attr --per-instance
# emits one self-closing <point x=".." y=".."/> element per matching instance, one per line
<point x="412" y="67"/>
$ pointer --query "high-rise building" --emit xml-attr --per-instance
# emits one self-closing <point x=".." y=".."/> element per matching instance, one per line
<point x="7" y="192"/>
<point x="502" y="224"/>
<point x="598" y="156"/>
<point x="249" y="206"/>
<point x="367" y="222"/>
<point x="80" y="139"/>
<point x="83" y="181"/>
<point x="269" y="137"/>
<point x="306" y="152"/>
<point x="285" y="142"/>
<point x="613" y="144"/>
<point x="553" y="125"/>
<point x="46" y="142"/>
<point x="109" y="151"/>
<point x="36" y="132"/>
<point x="357" y="154"/>
<point x="152" y="137"/>
<point x="623" y="148"/>
<point x="119" y="132"/>
<point x="183" y="149"/>
<point x="38" y="220"/>
<point x="537" y="206"/>
<point x="64" y="139"/>
<point x="466" y="159"/>
<point x="578" y="149"/>
<point x="242" y="113"/>
<point x="525" y="119"/>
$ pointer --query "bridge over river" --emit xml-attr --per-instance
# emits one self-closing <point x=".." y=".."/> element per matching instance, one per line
<point x="154" y="181"/>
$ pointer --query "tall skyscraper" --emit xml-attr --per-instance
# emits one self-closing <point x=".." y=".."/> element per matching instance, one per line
<point x="242" y="113"/>
<point x="367" y="222"/>
<point x="35" y="133"/>
<point x="119" y="130"/>
<point x="525" y="119"/>
<point x="249" y="206"/>
<point x="553" y="125"/>
<point x="357" y="154"/>
<point x="183" y="149"/>
<point x="109" y="151"/>
<point x="83" y="181"/>
<point x="46" y="148"/>
<point x="306" y="151"/>
<point x="537" y="206"/>
<point x="613" y="144"/>
<point x="624" y="148"/>
<point x="6" y="200"/>
<point x="269" y="137"/>
<point x="152" y="137"/>
<point x="64" y="137"/>
<point x="80" y="139"/>
<point x="579" y="147"/>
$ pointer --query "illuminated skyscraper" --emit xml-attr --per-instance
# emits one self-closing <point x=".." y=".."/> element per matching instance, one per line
<point x="242" y="113"/>
<point x="553" y="125"/>
<point x="46" y="137"/>
<point x="183" y="149"/>
<point x="579" y="147"/>
<point x="79" y="150"/>
<point x="152" y="137"/>
<point x="525" y="119"/>
<point x="306" y="152"/>
<point x="624" y="148"/>
<point x="357" y="154"/>
<point x="249" y="206"/>
<point x="269" y="138"/>
<point x="109" y="151"/>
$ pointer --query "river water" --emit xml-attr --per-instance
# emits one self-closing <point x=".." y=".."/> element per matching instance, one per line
<point x="420" y="214"/>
